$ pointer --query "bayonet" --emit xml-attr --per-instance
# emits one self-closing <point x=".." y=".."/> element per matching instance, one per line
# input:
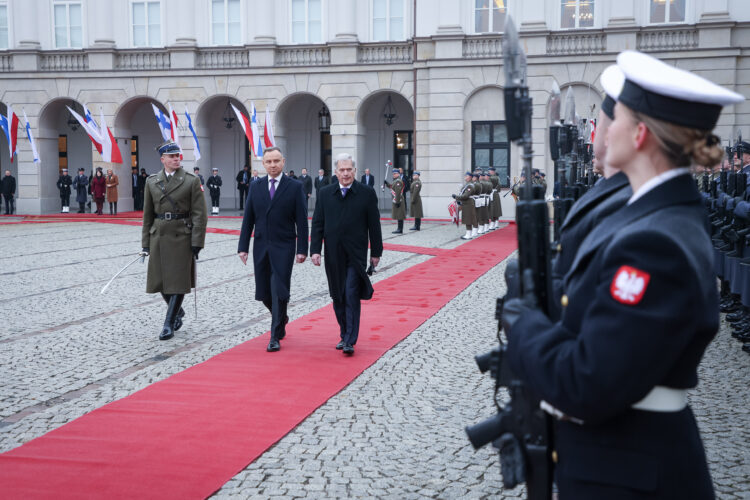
<point x="554" y="106"/>
<point x="511" y="54"/>
<point x="570" y="107"/>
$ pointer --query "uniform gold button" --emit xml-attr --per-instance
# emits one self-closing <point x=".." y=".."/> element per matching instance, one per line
<point x="559" y="248"/>
<point x="564" y="300"/>
<point x="554" y="456"/>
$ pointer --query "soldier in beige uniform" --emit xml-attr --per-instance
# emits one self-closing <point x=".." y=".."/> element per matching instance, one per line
<point x="398" y="208"/>
<point x="415" y="205"/>
<point x="174" y="231"/>
<point x="468" y="211"/>
<point x="496" y="210"/>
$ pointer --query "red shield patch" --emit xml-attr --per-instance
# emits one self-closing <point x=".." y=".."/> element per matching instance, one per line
<point x="202" y="188"/>
<point x="629" y="285"/>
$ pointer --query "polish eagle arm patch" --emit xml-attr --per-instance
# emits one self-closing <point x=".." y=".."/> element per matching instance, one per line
<point x="629" y="285"/>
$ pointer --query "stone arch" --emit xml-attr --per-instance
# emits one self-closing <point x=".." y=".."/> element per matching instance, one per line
<point x="298" y="134"/>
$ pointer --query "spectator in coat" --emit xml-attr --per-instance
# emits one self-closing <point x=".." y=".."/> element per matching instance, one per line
<point x="141" y="188"/>
<point x="8" y="186"/>
<point x="243" y="183"/>
<point x="98" y="189"/>
<point x="197" y="172"/>
<point x="80" y="184"/>
<point x="368" y="179"/>
<point x="307" y="184"/>
<point x="63" y="185"/>
<point x="112" y="182"/>
<point x="320" y="181"/>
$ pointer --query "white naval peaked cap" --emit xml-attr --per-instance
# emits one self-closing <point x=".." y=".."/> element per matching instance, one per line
<point x="612" y="81"/>
<point x="664" y="92"/>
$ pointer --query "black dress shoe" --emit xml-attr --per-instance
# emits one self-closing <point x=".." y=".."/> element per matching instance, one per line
<point x="273" y="345"/>
<point x="348" y="349"/>
<point x="340" y="345"/>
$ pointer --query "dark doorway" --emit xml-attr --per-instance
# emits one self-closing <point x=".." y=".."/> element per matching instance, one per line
<point x="326" y="152"/>
<point x="403" y="154"/>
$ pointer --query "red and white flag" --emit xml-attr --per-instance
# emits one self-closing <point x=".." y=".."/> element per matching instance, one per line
<point x="268" y="138"/>
<point x="102" y="135"/>
<point x="9" y="124"/>
<point x="453" y="211"/>
<point x="173" y="122"/>
<point x="248" y="129"/>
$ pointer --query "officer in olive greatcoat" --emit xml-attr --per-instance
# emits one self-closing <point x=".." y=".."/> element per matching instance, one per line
<point x="487" y="195"/>
<point x="174" y="231"/>
<point x="415" y="204"/>
<point x="496" y="208"/>
<point x="398" y="208"/>
<point x="465" y="198"/>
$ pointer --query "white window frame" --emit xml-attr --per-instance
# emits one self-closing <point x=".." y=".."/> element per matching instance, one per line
<point x="6" y="4"/>
<point x="323" y="5"/>
<point x="666" y="14"/>
<point x="474" y="17"/>
<point x="68" y="3"/>
<point x="597" y="5"/>
<point x="150" y="44"/>
<point x="226" y="24"/>
<point x="389" y="36"/>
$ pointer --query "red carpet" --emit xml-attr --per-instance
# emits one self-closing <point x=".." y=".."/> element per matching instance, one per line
<point x="186" y="436"/>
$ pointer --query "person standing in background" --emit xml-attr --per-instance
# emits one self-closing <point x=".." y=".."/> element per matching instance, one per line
<point x="307" y="184"/>
<point x="214" y="189"/>
<point x="80" y="184"/>
<point x="63" y="185"/>
<point x="9" y="190"/>
<point x="112" y="195"/>
<point x="243" y="183"/>
<point x="98" y="187"/>
<point x="415" y="205"/>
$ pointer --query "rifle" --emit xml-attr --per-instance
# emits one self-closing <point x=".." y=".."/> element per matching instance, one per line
<point x="520" y="430"/>
<point x="560" y="146"/>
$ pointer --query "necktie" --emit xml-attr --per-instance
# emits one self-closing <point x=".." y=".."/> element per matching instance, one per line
<point x="273" y="188"/>
<point x="343" y="191"/>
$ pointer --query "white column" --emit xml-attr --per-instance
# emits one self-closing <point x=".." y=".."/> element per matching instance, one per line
<point x="346" y="21"/>
<point x="102" y="27"/>
<point x="263" y="17"/>
<point x="26" y="23"/>
<point x="449" y="17"/>
<point x="184" y="13"/>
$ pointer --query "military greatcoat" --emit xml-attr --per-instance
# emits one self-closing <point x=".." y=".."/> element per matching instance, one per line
<point x="468" y="212"/>
<point x="415" y="204"/>
<point x="171" y="264"/>
<point x="496" y="209"/>
<point x="398" y="209"/>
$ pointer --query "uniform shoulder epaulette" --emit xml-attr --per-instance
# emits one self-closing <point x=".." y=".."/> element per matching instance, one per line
<point x="190" y="174"/>
<point x="152" y="175"/>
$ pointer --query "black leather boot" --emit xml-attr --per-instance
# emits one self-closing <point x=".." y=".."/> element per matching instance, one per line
<point x="167" y="331"/>
<point x="400" y="228"/>
<point x="180" y="314"/>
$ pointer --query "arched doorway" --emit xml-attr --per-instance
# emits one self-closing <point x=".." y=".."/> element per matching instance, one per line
<point x="62" y="143"/>
<point x="223" y="145"/>
<point x="386" y="125"/>
<point x="299" y="134"/>
<point x="5" y="163"/>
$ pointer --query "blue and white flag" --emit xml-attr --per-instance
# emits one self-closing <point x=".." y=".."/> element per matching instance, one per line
<point x="31" y="138"/>
<point x="197" y="149"/>
<point x="164" y="123"/>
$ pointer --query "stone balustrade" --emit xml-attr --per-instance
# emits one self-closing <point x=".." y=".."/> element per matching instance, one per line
<point x="305" y="55"/>
<point x="222" y="58"/>
<point x="6" y="62"/>
<point x="484" y="47"/>
<point x="384" y="53"/>
<point x="132" y="59"/>
<point x="64" y="61"/>
<point x="667" y="39"/>
<point x="576" y="43"/>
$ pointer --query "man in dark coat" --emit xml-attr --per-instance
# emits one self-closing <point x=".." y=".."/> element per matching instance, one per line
<point x="307" y="184"/>
<point x="368" y="179"/>
<point x="243" y="184"/>
<point x="80" y="184"/>
<point x="63" y="185"/>
<point x="8" y="187"/>
<point x="214" y="189"/>
<point x="141" y="189"/>
<point x="277" y="211"/>
<point x="320" y="181"/>
<point x="134" y="185"/>
<point x="346" y="216"/>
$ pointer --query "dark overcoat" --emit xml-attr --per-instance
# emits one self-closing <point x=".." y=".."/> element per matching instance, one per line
<point x="214" y="185"/>
<point x="171" y="264"/>
<point x="642" y="307"/>
<point x="415" y="204"/>
<point x="80" y="183"/>
<point x="345" y="225"/>
<point x="596" y="204"/>
<point x="63" y="184"/>
<point x="281" y="232"/>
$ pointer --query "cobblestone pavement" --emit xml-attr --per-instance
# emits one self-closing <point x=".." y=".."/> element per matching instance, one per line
<point x="395" y="432"/>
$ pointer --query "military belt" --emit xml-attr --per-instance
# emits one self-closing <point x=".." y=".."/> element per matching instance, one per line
<point x="172" y="216"/>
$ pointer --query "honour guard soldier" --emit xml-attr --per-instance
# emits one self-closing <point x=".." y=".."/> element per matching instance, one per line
<point x="63" y="184"/>
<point x="479" y="202"/>
<point x="415" y="204"/>
<point x="398" y="208"/>
<point x="465" y="198"/>
<point x="487" y="198"/>
<point x="174" y="231"/>
<point x="640" y="304"/>
<point x="496" y="210"/>
<point x="214" y="189"/>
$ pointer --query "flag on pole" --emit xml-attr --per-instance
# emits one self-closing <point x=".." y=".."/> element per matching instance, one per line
<point x="593" y="130"/>
<point x="102" y="135"/>
<point x="87" y="116"/>
<point x="453" y="211"/>
<point x="164" y="123"/>
<point x="246" y="127"/>
<point x="197" y="149"/>
<point x="268" y="138"/>
<point x="257" y="146"/>
<point x="173" y="122"/>
<point x="31" y="137"/>
<point x="9" y="124"/>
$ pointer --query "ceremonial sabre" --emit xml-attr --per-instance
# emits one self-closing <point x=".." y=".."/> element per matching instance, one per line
<point x="141" y="256"/>
<point x="195" y="288"/>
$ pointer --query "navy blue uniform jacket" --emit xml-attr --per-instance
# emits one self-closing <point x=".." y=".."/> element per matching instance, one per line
<point x="281" y="231"/>
<point x="345" y="224"/>
<point x="607" y="353"/>
<point x="597" y="203"/>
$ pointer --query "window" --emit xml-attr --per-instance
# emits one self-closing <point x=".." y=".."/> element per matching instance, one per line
<point x="577" y="14"/>
<point x="4" y="26"/>
<point x="307" y="24"/>
<point x="667" y="11"/>
<point x="146" y="24"/>
<point x="490" y="148"/>
<point x="489" y="15"/>
<point x="68" y="29"/>
<point x="387" y="20"/>
<point x="225" y="22"/>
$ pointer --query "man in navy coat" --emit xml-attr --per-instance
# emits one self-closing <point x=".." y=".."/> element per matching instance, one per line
<point x="276" y="208"/>
<point x="346" y="216"/>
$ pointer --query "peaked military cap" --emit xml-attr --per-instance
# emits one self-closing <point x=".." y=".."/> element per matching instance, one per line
<point x="416" y="173"/>
<point x="395" y="171"/>
<point x="612" y="79"/>
<point x="169" y="148"/>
